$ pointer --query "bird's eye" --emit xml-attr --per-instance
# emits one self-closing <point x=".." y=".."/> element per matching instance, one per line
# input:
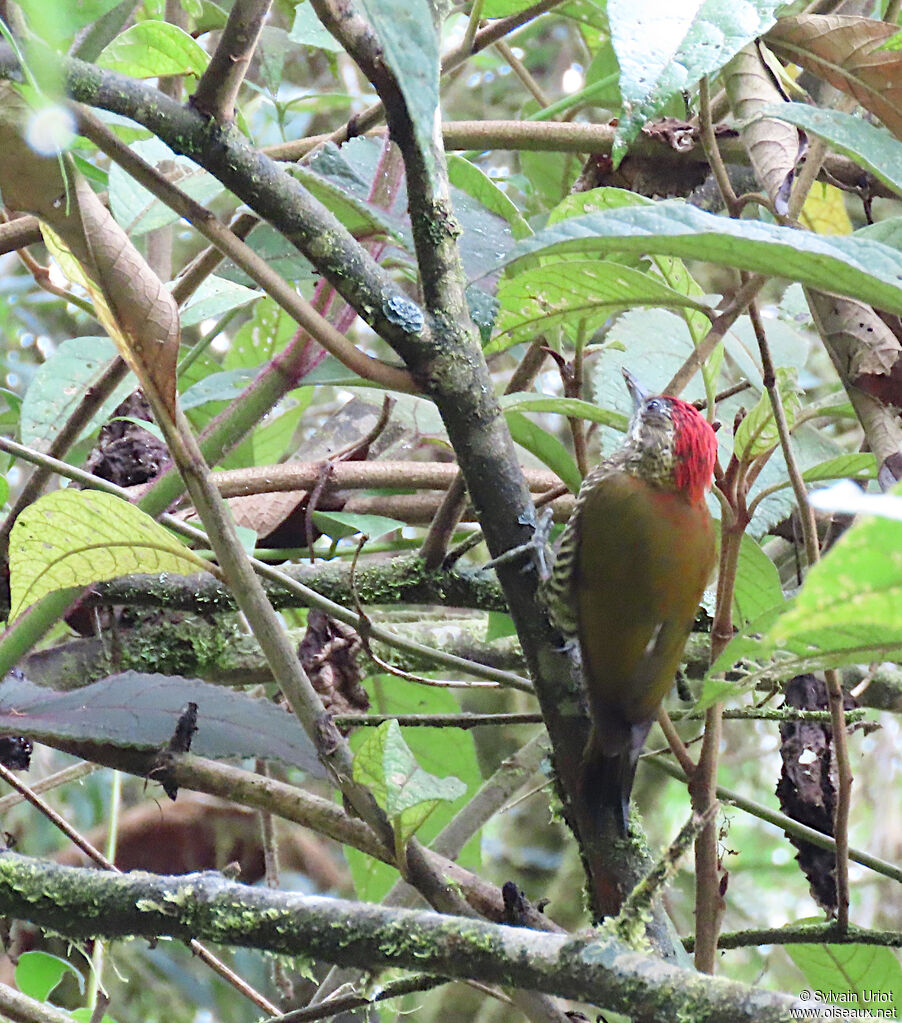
<point x="654" y="405"/>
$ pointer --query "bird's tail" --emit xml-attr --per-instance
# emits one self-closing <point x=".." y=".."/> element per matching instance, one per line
<point x="608" y="778"/>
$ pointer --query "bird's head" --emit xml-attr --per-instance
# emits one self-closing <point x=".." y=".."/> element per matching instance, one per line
<point x="669" y="443"/>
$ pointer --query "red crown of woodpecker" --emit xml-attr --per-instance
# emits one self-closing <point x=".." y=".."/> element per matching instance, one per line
<point x="694" y="448"/>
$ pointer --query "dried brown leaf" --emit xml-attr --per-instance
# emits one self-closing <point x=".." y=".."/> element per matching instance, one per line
<point x="869" y="353"/>
<point x="846" y="52"/>
<point x="773" y="146"/>
<point x="146" y="317"/>
<point x="137" y="310"/>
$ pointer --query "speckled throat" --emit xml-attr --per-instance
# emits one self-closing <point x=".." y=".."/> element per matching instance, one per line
<point x="649" y="449"/>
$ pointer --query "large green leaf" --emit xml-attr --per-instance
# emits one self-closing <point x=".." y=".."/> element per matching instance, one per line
<point x="869" y="146"/>
<point x="38" y="973"/>
<point x="153" y="48"/>
<point x="479" y="186"/>
<point x="849" y="610"/>
<point x="757" y="433"/>
<point x="213" y="298"/>
<point x="56" y="23"/>
<point x="308" y="30"/>
<point x="850" y="266"/>
<point x="664" y="48"/>
<point x="542" y="297"/>
<point x="571" y="407"/>
<point x="74" y="538"/>
<point x="257" y="340"/>
<point x="862" y="573"/>
<point x="757" y="586"/>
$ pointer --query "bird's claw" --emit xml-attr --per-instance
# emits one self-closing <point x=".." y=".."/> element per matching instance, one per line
<point x="537" y="549"/>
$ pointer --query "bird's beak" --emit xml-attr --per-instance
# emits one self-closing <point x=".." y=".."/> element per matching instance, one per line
<point x="637" y="392"/>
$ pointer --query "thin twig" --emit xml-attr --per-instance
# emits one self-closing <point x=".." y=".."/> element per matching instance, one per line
<point x="733" y="310"/>
<point x="712" y="150"/>
<point x="807" y="934"/>
<point x="786" y="824"/>
<point x="348" y="1002"/>
<point x="639" y="901"/>
<point x="834" y="686"/>
<point x="364" y="628"/>
<point x="441" y="528"/>
<point x="522" y="72"/>
<point x="676" y="744"/>
<point x="367" y="119"/>
<point x="68" y="774"/>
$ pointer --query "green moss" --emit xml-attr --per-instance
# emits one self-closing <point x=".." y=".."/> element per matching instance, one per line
<point x="177" y="644"/>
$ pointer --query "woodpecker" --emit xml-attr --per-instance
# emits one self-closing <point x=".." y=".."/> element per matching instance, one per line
<point x="631" y="567"/>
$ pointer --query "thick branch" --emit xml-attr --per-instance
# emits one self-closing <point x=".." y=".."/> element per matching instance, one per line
<point x="80" y="903"/>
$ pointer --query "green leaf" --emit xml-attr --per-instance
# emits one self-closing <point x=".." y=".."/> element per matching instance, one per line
<point x="595" y="200"/>
<point x="59" y="384"/>
<point x="570" y="407"/>
<point x="137" y="710"/>
<point x="38" y="973"/>
<point x="542" y="297"/>
<point x="863" y="571"/>
<point x="77" y="537"/>
<point x="547" y="448"/>
<point x="223" y="386"/>
<point x="744" y="648"/>
<point x="848" y="265"/>
<point x="85" y="1015"/>
<point x="271" y="439"/>
<point x="153" y="48"/>
<point x="499" y="626"/>
<point x="663" y="49"/>
<point x="409" y="40"/>
<point x="757" y="586"/>
<point x="308" y="30"/>
<point x="257" y="340"/>
<point x="868" y="975"/>
<point x="440" y="750"/>
<point x="887" y="232"/>
<point x="57" y="23"/>
<point x="406" y="792"/>
<point x="757" y="433"/>
<point x="870" y="147"/>
<point x="859" y="465"/>
<point x="339" y="525"/>
<point x="358" y="216"/>
<point x="479" y="186"/>
<point x="213" y="298"/>
<point x="136" y="209"/>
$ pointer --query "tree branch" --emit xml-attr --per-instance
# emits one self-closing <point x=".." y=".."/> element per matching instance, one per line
<point x="218" y="87"/>
<point x="80" y="903"/>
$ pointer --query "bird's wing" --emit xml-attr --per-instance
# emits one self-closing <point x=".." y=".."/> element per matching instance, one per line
<point x="645" y="555"/>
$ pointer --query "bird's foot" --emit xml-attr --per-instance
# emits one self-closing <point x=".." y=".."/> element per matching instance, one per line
<point x="537" y="550"/>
